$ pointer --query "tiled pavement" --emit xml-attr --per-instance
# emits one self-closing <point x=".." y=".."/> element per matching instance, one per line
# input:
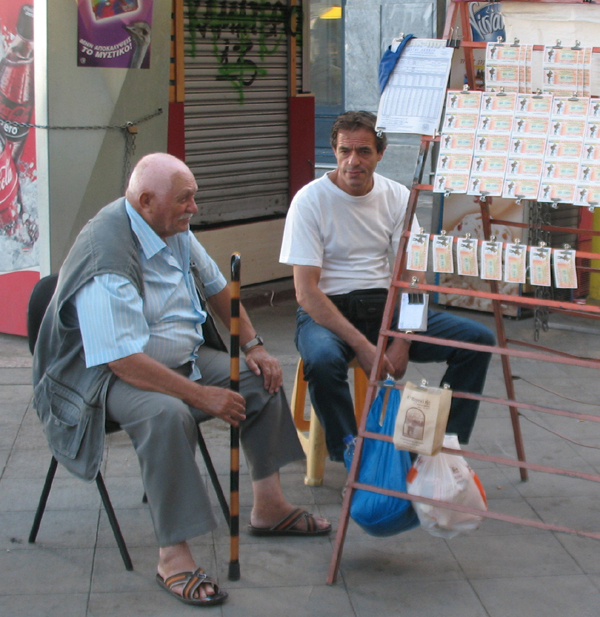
<point x="500" y="570"/>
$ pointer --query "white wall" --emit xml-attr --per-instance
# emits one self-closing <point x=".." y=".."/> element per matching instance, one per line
<point x="85" y="167"/>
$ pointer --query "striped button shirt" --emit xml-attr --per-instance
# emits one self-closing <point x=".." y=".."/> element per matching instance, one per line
<point x="167" y="325"/>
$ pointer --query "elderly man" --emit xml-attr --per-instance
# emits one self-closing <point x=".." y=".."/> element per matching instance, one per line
<point x="337" y="236"/>
<point x="123" y="340"/>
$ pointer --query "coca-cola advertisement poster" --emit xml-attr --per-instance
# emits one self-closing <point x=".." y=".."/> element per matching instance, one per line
<point x="19" y="254"/>
<point x="114" y="33"/>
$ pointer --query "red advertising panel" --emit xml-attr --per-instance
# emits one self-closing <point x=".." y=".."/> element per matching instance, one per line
<point x="19" y="254"/>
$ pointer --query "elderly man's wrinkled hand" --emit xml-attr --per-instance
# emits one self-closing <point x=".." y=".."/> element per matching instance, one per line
<point x="260" y="362"/>
<point x="222" y="403"/>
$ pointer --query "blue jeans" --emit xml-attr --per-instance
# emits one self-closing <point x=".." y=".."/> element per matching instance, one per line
<point x="326" y="358"/>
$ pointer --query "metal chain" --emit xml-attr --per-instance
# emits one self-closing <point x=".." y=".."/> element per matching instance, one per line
<point x="122" y="127"/>
<point x="539" y="215"/>
<point x="129" y="131"/>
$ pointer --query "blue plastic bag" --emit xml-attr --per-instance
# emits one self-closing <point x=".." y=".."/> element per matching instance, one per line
<point x="383" y="466"/>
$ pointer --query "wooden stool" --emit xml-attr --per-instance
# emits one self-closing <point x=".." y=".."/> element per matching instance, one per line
<point x="314" y="444"/>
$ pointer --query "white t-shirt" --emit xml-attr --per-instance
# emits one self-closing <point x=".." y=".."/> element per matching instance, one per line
<point x="347" y="237"/>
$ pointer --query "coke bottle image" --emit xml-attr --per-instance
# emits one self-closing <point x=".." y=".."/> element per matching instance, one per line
<point x="16" y="84"/>
<point x="16" y="105"/>
<point x="10" y="198"/>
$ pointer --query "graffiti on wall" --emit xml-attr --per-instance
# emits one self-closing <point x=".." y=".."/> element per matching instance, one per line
<point x="242" y="35"/>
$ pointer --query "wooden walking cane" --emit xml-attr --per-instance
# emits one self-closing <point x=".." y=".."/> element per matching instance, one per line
<point x="234" y="328"/>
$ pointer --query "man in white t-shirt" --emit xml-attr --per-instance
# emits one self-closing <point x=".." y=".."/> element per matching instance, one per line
<point x="338" y="233"/>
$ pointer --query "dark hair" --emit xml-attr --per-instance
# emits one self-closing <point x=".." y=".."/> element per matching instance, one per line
<point x="354" y="120"/>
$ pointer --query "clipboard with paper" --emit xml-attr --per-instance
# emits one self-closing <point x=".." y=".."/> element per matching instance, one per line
<point x="413" y="97"/>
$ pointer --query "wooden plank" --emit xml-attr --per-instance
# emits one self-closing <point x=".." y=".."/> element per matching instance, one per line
<point x="257" y="243"/>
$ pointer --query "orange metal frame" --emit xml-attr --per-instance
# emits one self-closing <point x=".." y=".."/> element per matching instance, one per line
<point x="541" y="353"/>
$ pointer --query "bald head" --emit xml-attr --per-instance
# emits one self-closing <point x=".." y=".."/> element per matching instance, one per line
<point x="162" y="189"/>
<point x="155" y="173"/>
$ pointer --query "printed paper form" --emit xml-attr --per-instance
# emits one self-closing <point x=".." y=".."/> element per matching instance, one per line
<point x="413" y="98"/>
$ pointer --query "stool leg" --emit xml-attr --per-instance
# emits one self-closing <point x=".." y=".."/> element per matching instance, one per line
<point x="317" y="452"/>
<point x="361" y="384"/>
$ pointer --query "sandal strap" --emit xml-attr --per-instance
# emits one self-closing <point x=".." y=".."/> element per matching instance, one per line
<point x="177" y="579"/>
<point x="288" y="521"/>
<point x="293" y="518"/>
<point x="198" y="578"/>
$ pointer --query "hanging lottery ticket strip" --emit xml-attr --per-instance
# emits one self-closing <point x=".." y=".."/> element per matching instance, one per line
<point x="543" y="147"/>
<point x="494" y="261"/>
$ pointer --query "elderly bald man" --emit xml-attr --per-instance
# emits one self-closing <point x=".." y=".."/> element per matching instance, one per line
<point x="125" y="332"/>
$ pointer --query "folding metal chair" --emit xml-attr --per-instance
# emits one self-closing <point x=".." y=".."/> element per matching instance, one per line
<point x="38" y="303"/>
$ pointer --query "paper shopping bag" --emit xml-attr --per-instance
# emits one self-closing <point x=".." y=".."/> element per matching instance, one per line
<point x="422" y="418"/>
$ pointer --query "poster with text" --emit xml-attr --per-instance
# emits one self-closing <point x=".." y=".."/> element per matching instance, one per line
<point x="19" y="251"/>
<point x="114" y="33"/>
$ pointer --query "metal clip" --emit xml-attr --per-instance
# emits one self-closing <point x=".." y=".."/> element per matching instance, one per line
<point x="414" y="281"/>
<point x="516" y="42"/>
<point x="424" y="384"/>
<point x="573" y="97"/>
<point x="468" y="242"/>
<point x="577" y="46"/>
<point x="444" y="239"/>
<point x="558" y="44"/>
<point x="501" y="93"/>
<point x="454" y="40"/>
<point x="538" y="94"/>
<point x="465" y="88"/>
<point x="541" y="250"/>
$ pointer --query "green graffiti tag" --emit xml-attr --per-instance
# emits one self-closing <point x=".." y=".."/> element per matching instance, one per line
<point x="235" y="28"/>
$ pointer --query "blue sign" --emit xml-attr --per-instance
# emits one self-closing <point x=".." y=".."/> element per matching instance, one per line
<point x="487" y="22"/>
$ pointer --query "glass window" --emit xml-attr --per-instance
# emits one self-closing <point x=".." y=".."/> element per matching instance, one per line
<point x="326" y="70"/>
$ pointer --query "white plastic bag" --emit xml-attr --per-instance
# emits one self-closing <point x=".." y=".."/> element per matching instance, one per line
<point x="449" y="478"/>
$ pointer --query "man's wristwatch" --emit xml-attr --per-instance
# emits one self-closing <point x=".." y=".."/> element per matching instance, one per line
<point x="257" y="340"/>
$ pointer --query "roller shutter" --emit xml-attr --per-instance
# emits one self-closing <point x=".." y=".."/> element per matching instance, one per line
<point x="236" y="91"/>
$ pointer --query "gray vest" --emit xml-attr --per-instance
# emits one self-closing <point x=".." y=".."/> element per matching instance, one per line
<point x="70" y="399"/>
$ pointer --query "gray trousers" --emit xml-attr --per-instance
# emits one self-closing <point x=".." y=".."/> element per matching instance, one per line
<point x="163" y="429"/>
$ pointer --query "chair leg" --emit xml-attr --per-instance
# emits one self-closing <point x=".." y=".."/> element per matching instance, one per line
<point x="317" y="452"/>
<point x="43" y="499"/>
<point x="213" y="477"/>
<point x="113" y="522"/>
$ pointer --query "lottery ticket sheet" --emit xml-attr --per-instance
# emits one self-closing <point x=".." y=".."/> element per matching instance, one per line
<point x="567" y="70"/>
<point x="563" y="149"/>
<point x="492" y="143"/>
<point x="508" y="67"/>
<point x="527" y="146"/>
<point x="587" y="191"/>
<point x="457" y="141"/>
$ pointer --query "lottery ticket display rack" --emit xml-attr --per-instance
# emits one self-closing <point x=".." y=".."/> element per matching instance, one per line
<point x="506" y="348"/>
